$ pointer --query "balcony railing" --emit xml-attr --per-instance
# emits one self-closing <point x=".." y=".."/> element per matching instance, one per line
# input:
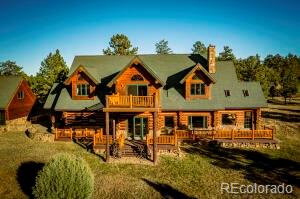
<point x="130" y="101"/>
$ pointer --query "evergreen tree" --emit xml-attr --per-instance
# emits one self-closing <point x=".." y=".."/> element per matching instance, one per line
<point x="120" y="45"/>
<point x="162" y="47"/>
<point x="10" y="68"/>
<point x="199" y="48"/>
<point x="53" y="69"/>
<point x="226" y="54"/>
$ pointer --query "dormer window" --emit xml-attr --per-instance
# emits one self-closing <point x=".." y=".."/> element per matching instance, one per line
<point x="246" y="93"/>
<point x="83" y="89"/>
<point x="197" y="89"/>
<point x="227" y="93"/>
<point x="137" y="78"/>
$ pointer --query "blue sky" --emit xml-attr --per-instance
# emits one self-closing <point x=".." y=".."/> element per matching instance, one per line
<point x="30" y="29"/>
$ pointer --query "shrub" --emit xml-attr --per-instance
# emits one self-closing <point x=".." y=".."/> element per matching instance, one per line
<point x="64" y="176"/>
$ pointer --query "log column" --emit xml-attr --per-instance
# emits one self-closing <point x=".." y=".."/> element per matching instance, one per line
<point x="107" y="135"/>
<point x="154" y="137"/>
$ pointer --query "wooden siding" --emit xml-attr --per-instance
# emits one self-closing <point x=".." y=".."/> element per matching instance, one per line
<point x="239" y="117"/>
<point x="183" y="117"/>
<point x="18" y="108"/>
<point x="74" y="81"/>
<point x="203" y="79"/>
<point x="125" y="79"/>
<point x="84" y="118"/>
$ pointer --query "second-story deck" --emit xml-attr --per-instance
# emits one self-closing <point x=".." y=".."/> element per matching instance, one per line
<point x="119" y="103"/>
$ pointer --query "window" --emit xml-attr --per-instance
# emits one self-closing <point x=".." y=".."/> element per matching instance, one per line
<point x="21" y="95"/>
<point x="137" y="90"/>
<point x="169" y="121"/>
<point x="196" y="77"/>
<point x="197" y="122"/>
<point x="137" y="78"/>
<point x="227" y="93"/>
<point x="83" y="89"/>
<point x="246" y="93"/>
<point x="228" y="119"/>
<point x="248" y="120"/>
<point x="198" y="89"/>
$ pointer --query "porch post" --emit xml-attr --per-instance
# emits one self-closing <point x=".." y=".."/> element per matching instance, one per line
<point x="107" y="135"/>
<point x="114" y="130"/>
<point x="154" y="138"/>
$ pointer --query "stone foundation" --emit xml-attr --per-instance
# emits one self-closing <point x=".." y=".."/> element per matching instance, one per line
<point x="249" y="145"/>
<point x="19" y="124"/>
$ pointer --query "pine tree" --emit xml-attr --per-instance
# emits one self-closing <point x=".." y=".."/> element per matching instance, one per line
<point x="120" y="45"/>
<point x="226" y="54"/>
<point x="10" y="68"/>
<point x="162" y="47"/>
<point x="199" y="48"/>
<point x="53" y="69"/>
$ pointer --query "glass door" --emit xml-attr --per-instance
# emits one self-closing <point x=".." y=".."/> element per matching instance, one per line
<point x="137" y="127"/>
<point x="137" y="90"/>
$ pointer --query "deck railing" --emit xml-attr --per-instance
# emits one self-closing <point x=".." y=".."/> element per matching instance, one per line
<point x="76" y="133"/>
<point x="163" y="140"/>
<point x="100" y="139"/>
<point x="226" y="134"/>
<point x="130" y="101"/>
<point x="63" y="133"/>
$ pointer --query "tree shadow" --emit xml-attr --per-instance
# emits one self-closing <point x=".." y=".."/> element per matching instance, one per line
<point x="26" y="175"/>
<point x="257" y="167"/>
<point x="281" y="116"/>
<point x="166" y="191"/>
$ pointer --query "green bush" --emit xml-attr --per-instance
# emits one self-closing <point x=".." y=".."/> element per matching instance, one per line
<point x="64" y="176"/>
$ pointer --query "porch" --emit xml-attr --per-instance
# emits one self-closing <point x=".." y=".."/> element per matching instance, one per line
<point x="119" y="146"/>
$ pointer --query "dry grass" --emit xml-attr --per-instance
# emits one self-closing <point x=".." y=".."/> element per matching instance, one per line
<point x="198" y="173"/>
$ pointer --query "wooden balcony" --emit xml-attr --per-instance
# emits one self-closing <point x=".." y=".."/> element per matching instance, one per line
<point x="117" y="103"/>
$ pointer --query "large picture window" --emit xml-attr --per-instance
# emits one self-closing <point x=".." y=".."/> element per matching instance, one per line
<point x="228" y="119"/>
<point x="83" y="89"/>
<point x="197" y="89"/>
<point x="197" y="122"/>
<point x="169" y="121"/>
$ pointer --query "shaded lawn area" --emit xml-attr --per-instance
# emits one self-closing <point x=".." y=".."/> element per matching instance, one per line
<point x="198" y="174"/>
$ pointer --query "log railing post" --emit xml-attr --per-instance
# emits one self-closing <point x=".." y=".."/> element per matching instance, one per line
<point x="107" y="135"/>
<point x="232" y="134"/>
<point x="130" y="100"/>
<point x="106" y="101"/>
<point x="253" y="134"/>
<point x="114" y="130"/>
<point x="154" y="138"/>
<point x="71" y="132"/>
<point x="213" y="134"/>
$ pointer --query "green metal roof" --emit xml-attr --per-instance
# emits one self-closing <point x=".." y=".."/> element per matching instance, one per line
<point x="170" y="69"/>
<point x="8" y="87"/>
<point x="60" y="99"/>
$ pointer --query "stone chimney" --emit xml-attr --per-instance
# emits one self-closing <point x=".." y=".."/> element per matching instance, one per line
<point x="211" y="56"/>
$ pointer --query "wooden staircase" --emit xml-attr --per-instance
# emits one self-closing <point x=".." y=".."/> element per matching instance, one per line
<point x="134" y="149"/>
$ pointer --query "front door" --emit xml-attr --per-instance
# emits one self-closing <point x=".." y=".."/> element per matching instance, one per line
<point x="137" y="127"/>
<point x="137" y="90"/>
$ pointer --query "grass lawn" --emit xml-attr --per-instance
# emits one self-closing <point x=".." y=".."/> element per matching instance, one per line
<point x="197" y="174"/>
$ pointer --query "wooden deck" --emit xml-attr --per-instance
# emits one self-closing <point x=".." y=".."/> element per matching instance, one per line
<point x="169" y="142"/>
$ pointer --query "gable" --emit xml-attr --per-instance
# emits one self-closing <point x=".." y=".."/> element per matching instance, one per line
<point x="200" y="71"/>
<point x="140" y="68"/>
<point x="80" y="70"/>
<point x="8" y="87"/>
